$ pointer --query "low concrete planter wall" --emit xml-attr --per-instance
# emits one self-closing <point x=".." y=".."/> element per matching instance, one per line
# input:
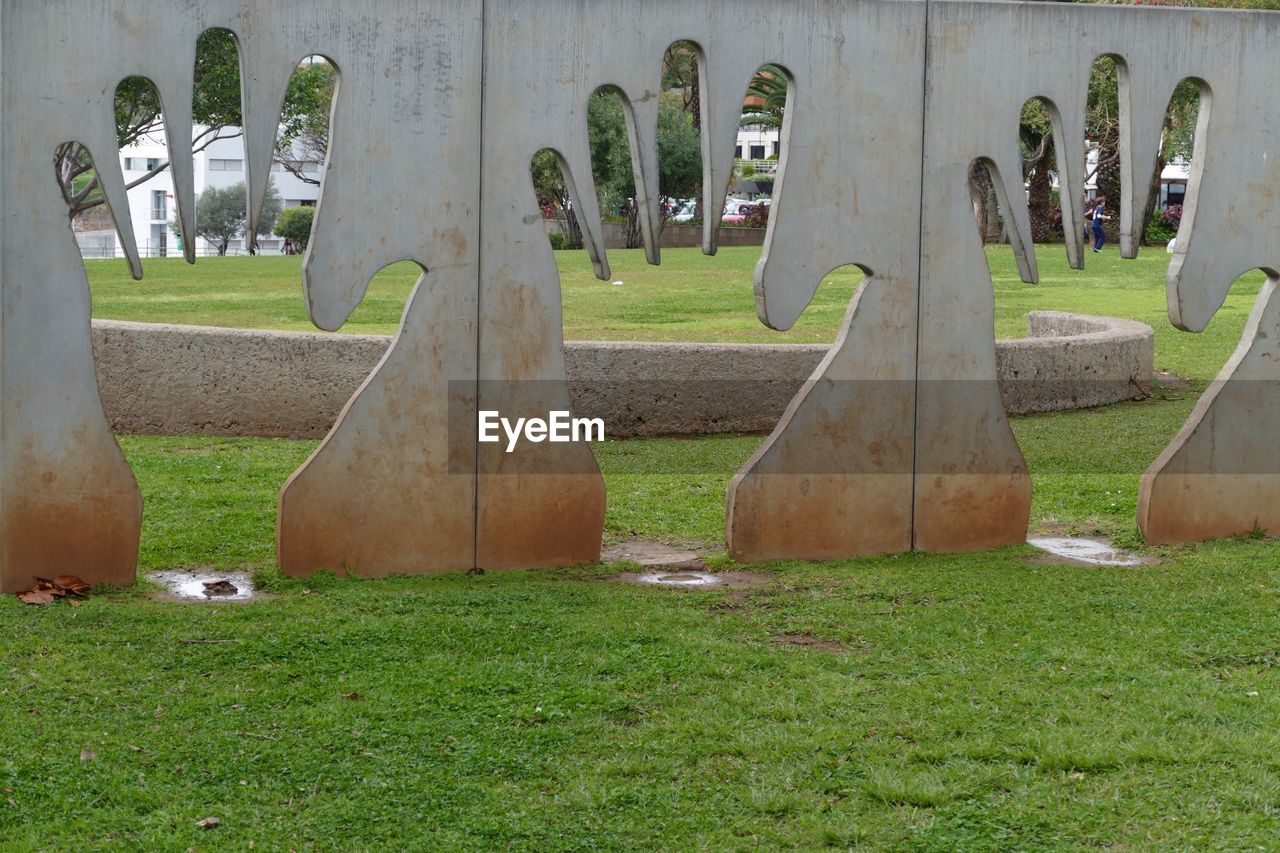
<point x="676" y="236"/>
<point x="191" y="380"/>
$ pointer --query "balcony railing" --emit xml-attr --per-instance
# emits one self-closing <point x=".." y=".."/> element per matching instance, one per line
<point x="765" y="167"/>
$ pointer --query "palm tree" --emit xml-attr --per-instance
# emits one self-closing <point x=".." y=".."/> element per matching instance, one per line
<point x="766" y="98"/>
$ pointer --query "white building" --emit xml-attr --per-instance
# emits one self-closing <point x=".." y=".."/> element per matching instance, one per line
<point x="761" y="145"/>
<point x="151" y="204"/>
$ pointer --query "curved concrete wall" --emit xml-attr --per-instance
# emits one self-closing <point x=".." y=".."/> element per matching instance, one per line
<point x="194" y="380"/>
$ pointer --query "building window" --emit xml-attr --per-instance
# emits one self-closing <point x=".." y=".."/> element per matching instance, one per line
<point x="757" y="152"/>
<point x="737" y="152"/>
<point x="777" y="148"/>
<point x="142" y="164"/>
<point x="226" y="165"/>
<point x="159" y="205"/>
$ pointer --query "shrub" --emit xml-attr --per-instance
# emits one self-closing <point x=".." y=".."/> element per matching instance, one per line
<point x="1163" y="226"/>
<point x="756" y="217"/>
<point x="558" y="240"/>
<point x="295" y="223"/>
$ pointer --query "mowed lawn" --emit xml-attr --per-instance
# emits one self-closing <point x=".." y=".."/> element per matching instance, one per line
<point x="978" y="701"/>
<point x="690" y="297"/>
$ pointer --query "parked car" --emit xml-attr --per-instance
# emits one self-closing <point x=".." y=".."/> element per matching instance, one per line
<point x="736" y="210"/>
<point x="680" y="209"/>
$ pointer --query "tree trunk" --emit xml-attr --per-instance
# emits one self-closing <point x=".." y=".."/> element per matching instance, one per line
<point x="634" y="238"/>
<point x="986" y="207"/>
<point x="1040" y="198"/>
<point x="695" y="111"/>
<point x="571" y="228"/>
<point x="1109" y="180"/>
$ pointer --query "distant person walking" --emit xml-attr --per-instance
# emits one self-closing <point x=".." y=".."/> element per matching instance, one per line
<point x="1099" y="216"/>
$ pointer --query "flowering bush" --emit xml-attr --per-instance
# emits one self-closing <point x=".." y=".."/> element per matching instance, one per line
<point x="756" y="217"/>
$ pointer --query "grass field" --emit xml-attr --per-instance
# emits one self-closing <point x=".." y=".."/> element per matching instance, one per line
<point x="980" y="701"/>
<point x="689" y="298"/>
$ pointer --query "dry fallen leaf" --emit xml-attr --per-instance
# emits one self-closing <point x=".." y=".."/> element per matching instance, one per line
<point x="47" y="591"/>
<point x="71" y="584"/>
<point x="208" y="822"/>
<point x="354" y="697"/>
<point x="87" y="754"/>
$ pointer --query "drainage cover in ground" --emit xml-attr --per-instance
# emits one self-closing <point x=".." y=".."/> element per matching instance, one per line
<point x="1090" y="552"/>
<point x="207" y="586"/>
<point x="686" y="579"/>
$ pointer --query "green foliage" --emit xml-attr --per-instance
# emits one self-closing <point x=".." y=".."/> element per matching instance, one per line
<point x="768" y="95"/>
<point x="309" y="101"/>
<point x="221" y="214"/>
<point x="679" y="150"/>
<point x="294" y="223"/>
<point x="558" y="241"/>
<point x="1158" y="233"/>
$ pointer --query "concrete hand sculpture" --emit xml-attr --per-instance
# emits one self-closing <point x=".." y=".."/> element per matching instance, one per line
<point x="898" y="442"/>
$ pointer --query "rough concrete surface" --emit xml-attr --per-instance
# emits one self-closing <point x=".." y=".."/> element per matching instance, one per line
<point x="193" y="380"/>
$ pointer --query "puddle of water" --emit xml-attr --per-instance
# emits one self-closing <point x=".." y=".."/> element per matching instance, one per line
<point x="207" y="586"/>
<point x="684" y="579"/>
<point x="1089" y="552"/>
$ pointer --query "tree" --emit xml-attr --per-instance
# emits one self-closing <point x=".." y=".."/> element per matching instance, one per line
<point x="1039" y="157"/>
<point x="553" y="196"/>
<point x="294" y="224"/>
<point x="220" y="214"/>
<point x="679" y="156"/>
<point x="682" y="74"/>
<point x="679" y="165"/>
<point x="304" y="129"/>
<point x="216" y="110"/>
<point x="766" y="98"/>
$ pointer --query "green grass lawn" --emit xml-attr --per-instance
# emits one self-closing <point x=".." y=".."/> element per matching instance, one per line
<point x="979" y="701"/>
<point x="689" y="298"/>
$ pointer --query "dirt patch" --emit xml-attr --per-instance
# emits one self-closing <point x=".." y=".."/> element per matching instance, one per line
<point x="206" y="586"/>
<point x="1170" y="381"/>
<point x="648" y="553"/>
<point x="809" y="641"/>
<point x="734" y="602"/>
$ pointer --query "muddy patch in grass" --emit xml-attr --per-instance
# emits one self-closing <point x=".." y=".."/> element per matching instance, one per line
<point x="806" y="640"/>
<point x="648" y="553"/>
